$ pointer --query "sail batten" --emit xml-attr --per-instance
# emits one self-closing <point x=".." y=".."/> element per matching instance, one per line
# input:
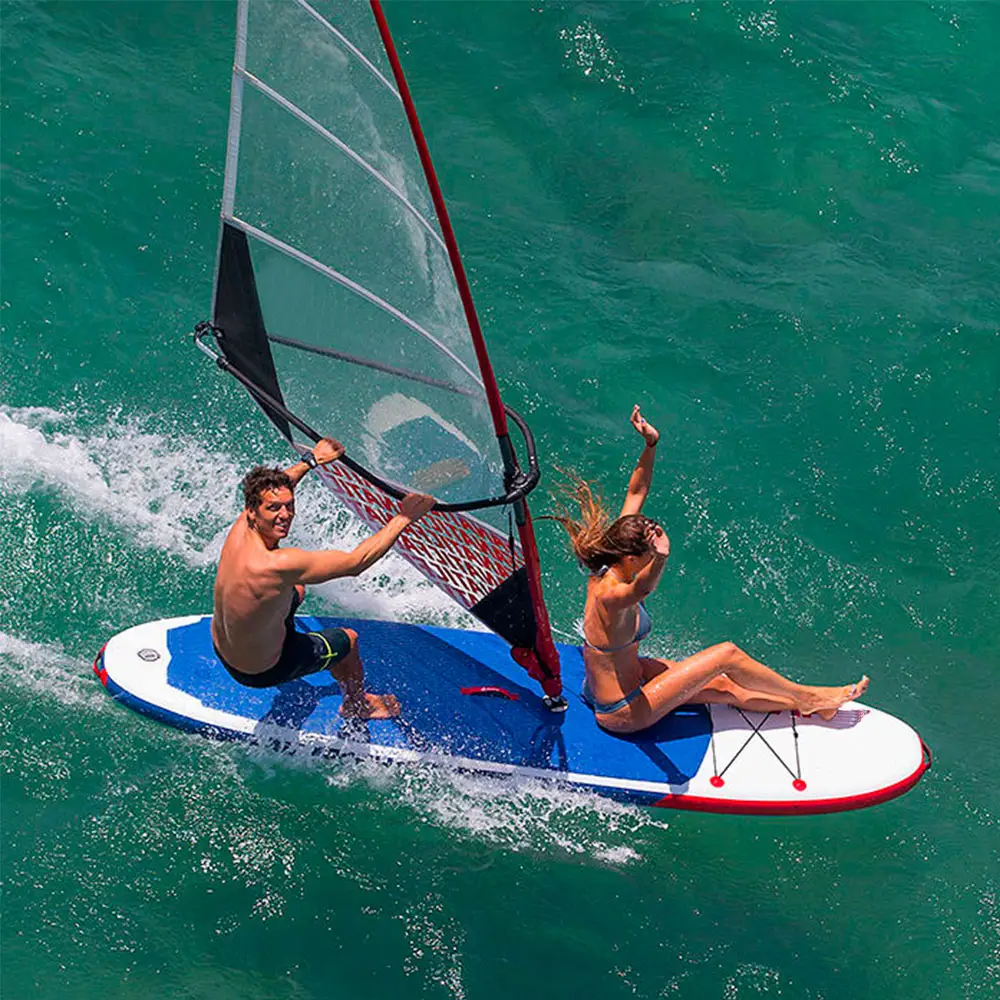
<point x="353" y="49"/>
<point x="328" y="352"/>
<point x="353" y="286"/>
<point x="342" y="146"/>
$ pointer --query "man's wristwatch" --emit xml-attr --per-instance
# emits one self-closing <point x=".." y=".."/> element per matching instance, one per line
<point x="310" y="459"/>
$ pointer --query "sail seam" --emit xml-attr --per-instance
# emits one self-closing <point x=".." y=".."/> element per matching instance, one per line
<point x="353" y="49"/>
<point x="353" y="286"/>
<point x="326" y="134"/>
<point x="328" y="352"/>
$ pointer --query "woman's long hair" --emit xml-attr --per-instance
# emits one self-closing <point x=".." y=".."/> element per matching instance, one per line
<point x="597" y="541"/>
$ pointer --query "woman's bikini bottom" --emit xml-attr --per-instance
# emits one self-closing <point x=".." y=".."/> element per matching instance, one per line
<point x="600" y="708"/>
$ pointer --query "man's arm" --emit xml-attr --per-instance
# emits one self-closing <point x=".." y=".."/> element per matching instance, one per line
<point x="306" y="567"/>
<point x="642" y="475"/>
<point x="327" y="450"/>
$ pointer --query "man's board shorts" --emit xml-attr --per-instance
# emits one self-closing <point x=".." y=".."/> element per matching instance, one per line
<point x="302" y="653"/>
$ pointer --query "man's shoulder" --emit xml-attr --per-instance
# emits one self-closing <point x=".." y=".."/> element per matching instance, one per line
<point x="284" y="559"/>
<point x="235" y="535"/>
<point x="240" y="554"/>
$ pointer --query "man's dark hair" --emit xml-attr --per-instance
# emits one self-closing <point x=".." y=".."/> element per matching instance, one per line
<point x="259" y="480"/>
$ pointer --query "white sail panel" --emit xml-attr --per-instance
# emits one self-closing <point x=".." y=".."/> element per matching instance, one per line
<point x="355" y="287"/>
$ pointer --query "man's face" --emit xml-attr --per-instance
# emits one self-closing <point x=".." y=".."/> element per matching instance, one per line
<point x="273" y="516"/>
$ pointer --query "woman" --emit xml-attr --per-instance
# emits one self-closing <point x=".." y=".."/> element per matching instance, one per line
<point x="626" y="559"/>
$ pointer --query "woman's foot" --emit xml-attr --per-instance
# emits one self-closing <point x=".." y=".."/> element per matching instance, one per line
<point x="826" y="701"/>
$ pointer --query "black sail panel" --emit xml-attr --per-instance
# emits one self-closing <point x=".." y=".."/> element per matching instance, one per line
<point x="243" y="338"/>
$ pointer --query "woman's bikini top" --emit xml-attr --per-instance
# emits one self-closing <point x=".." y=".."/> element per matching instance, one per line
<point x="643" y="624"/>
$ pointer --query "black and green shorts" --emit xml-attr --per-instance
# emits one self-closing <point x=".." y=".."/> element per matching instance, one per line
<point x="302" y="653"/>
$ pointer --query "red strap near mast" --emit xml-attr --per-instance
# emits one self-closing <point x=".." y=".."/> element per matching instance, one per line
<point x="542" y="662"/>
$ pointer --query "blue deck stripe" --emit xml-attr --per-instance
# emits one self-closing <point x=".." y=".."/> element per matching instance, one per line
<point x="426" y="667"/>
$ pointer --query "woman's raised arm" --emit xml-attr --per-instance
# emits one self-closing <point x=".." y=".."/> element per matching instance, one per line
<point x="642" y="476"/>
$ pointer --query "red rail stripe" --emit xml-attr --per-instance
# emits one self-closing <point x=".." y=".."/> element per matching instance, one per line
<point x="99" y="665"/>
<point x="754" y="807"/>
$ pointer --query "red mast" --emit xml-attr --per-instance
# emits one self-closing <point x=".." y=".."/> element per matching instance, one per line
<point x="542" y="662"/>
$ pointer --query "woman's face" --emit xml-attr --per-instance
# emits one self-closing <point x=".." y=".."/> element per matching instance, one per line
<point x="636" y="563"/>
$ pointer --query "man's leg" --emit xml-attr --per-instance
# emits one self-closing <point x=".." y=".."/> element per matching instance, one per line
<point x="347" y="670"/>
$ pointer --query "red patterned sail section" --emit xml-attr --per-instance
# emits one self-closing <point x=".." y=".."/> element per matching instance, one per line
<point x="466" y="558"/>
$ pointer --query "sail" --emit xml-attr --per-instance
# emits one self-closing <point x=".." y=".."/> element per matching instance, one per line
<point x="342" y="306"/>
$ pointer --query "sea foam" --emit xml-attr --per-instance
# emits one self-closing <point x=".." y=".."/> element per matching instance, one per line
<point x="170" y="492"/>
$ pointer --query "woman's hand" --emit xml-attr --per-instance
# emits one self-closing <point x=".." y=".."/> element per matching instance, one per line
<point x="650" y="434"/>
<point x="658" y="540"/>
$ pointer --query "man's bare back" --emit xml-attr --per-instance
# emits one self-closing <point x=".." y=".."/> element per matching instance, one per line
<point x="259" y="584"/>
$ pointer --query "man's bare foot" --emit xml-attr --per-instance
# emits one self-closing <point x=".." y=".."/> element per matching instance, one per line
<point x="828" y="700"/>
<point x="371" y="706"/>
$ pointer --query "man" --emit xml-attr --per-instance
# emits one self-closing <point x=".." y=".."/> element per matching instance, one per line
<point x="259" y="586"/>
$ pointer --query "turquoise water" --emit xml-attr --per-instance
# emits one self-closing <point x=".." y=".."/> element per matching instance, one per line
<point x="776" y="226"/>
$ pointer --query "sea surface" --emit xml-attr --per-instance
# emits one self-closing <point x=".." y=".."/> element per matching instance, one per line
<point x="775" y="226"/>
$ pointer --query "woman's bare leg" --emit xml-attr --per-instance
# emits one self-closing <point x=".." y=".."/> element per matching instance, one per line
<point x="723" y="691"/>
<point x="684" y="680"/>
<point x="720" y="691"/>
<point x="760" y="679"/>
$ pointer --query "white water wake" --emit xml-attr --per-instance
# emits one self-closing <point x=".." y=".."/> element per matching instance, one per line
<point x="169" y="492"/>
<point x="496" y="814"/>
<point x="518" y="814"/>
<point x="46" y="669"/>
